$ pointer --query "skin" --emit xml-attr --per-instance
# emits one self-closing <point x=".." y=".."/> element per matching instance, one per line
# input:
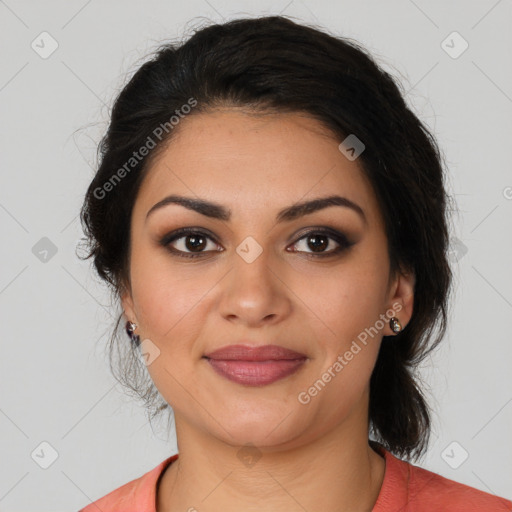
<point x="312" y="457"/>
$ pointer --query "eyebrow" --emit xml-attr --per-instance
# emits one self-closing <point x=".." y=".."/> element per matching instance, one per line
<point x="217" y="211"/>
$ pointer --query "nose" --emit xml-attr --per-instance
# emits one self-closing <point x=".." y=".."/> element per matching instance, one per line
<point x="255" y="293"/>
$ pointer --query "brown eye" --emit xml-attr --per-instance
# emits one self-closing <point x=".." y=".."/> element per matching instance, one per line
<point x="188" y="243"/>
<point x="316" y="243"/>
<point x="194" y="242"/>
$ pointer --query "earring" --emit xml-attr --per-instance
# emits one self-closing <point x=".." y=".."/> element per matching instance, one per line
<point x="130" y="328"/>
<point x="395" y="325"/>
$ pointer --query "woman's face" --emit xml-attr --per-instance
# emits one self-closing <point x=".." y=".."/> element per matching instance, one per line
<point x="258" y="279"/>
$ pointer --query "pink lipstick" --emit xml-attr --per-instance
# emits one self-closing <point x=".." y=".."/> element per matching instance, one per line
<point x="255" y="366"/>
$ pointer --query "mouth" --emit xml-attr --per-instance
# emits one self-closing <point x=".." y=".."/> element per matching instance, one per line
<point x="255" y="366"/>
<point x="254" y="353"/>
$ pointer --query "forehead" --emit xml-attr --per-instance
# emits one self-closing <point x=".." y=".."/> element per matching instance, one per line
<point x="265" y="161"/>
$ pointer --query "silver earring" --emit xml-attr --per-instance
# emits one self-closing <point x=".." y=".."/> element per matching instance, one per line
<point x="130" y="328"/>
<point x="395" y="325"/>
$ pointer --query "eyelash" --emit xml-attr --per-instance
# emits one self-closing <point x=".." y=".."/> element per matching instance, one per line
<point x="339" y="238"/>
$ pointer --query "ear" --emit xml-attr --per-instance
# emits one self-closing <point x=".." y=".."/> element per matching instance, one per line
<point x="401" y="299"/>
<point x="127" y="305"/>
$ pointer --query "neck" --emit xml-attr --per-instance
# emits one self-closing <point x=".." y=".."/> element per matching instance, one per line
<point x="338" y="471"/>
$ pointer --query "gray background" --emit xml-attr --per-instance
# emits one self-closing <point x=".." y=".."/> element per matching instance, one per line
<point x="55" y="382"/>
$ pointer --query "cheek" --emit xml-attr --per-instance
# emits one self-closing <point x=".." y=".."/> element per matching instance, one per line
<point x="350" y="303"/>
<point x="351" y="308"/>
<point x="165" y="297"/>
<point x="352" y="297"/>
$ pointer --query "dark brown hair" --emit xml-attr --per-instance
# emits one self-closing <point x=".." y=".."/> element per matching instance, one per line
<point x="273" y="64"/>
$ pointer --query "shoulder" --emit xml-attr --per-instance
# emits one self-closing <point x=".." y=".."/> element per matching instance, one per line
<point x="410" y="488"/>
<point x="414" y="489"/>
<point x="139" y="493"/>
<point x="438" y="491"/>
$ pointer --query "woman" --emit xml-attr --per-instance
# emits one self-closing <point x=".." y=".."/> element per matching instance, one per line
<point x="272" y="217"/>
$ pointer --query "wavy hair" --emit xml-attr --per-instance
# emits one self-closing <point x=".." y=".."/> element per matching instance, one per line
<point x="273" y="64"/>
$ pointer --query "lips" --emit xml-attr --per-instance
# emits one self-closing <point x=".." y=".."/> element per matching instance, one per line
<point x="255" y="366"/>
<point x="248" y="353"/>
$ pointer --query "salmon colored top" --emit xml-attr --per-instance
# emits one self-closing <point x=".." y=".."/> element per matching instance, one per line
<point x="405" y="488"/>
